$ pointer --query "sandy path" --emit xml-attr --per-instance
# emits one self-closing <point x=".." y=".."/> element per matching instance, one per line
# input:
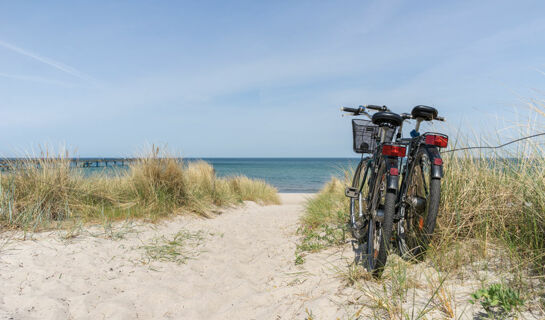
<point x="243" y="269"/>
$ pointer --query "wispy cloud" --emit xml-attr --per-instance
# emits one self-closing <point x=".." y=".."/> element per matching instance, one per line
<point x="50" y="62"/>
<point x="35" y="79"/>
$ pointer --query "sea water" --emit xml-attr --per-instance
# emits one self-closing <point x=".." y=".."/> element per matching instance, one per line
<point x="286" y="174"/>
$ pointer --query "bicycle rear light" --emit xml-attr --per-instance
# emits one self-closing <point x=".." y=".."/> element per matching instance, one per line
<point x="393" y="150"/>
<point x="437" y="140"/>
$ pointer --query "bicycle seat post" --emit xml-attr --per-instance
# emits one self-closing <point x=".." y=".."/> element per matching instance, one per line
<point x="399" y="131"/>
<point x="418" y="122"/>
<point x="382" y="134"/>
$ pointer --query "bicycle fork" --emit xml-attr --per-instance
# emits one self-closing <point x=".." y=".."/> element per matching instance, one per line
<point x="357" y="193"/>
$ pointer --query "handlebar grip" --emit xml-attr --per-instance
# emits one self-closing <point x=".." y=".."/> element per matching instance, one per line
<point x="439" y="118"/>
<point x="378" y="108"/>
<point x="353" y="110"/>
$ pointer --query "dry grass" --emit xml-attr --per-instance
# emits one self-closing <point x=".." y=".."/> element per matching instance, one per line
<point x="491" y="221"/>
<point x="498" y="196"/>
<point x="253" y="190"/>
<point x="49" y="193"/>
<point x="180" y="248"/>
<point x="496" y="199"/>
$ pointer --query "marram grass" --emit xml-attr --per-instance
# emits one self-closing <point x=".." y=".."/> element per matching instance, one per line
<point x="46" y="194"/>
<point x="494" y="197"/>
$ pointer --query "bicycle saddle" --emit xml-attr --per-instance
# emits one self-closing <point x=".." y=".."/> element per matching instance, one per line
<point x="386" y="117"/>
<point x="424" y="112"/>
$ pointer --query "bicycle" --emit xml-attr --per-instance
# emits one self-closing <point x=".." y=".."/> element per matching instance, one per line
<point x="375" y="221"/>
<point x="372" y="219"/>
<point x="420" y="190"/>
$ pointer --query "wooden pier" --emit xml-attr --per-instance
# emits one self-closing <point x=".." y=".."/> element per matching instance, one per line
<point x="7" y="164"/>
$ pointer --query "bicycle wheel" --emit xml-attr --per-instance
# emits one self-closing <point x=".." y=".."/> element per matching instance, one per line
<point x="357" y="224"/>
<point x="381" y="209"/>
<point x="423" y="195"/>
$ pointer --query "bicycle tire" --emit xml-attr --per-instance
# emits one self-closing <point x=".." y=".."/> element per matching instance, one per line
<point x="380" y="232"/>
<point x="418" y="229"/>
<point x="356" y="227"/>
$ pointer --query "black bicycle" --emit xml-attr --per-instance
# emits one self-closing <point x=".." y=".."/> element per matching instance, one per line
<point x="380" y="216"/>
<point x="372" y="216"/>
<point x="420" y="190"/>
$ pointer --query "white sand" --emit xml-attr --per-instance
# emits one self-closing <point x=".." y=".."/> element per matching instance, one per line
<point x="244" y="269"/>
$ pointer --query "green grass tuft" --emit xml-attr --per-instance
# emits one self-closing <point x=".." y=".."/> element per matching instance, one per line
<point x="324" y="222"/>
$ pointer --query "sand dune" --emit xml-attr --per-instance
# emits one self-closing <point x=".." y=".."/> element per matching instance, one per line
<point x="238" y="265"/>
<point x="242" y="267"/>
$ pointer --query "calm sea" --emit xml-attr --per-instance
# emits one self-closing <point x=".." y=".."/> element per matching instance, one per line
<point x="287" y="174"/>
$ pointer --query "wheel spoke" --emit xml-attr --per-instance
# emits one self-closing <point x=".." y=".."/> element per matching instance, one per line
<point x="424" y="184"/>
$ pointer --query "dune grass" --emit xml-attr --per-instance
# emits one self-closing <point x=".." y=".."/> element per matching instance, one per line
<point x="490" y="228"/>
<point x="492" y="216"/>
<point x="495" y="196"/>
<point x="486" y="198"/>
<point x="48" y="193"/>
<point x="324" y="222"/>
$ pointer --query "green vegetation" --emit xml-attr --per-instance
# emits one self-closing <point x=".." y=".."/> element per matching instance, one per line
<point x="324" y="222"/>
<point x="48" y="194"/>
<point x="496" y="199"/>
<point x="498" y="300"/>
<point x="299" y="259"/>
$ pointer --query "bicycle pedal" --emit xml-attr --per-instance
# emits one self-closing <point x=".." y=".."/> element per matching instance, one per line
<point x="351" y="192"/>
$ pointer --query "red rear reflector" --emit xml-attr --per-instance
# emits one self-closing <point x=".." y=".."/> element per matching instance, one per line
<point x="396" y="151"/>
<point x="439" y="141"/>
<point x="438" y="161"/>
<point x="394" y="172"/>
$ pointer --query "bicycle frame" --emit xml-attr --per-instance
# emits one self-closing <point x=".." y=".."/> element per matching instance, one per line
<point x="414" y="145"/>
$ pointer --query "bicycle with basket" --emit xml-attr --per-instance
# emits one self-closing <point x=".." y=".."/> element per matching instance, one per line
<point x="387" y="212"/>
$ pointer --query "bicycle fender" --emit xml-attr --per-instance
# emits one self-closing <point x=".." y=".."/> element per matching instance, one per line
<point x="436" y="161"/>
<point x="392" y="173"/>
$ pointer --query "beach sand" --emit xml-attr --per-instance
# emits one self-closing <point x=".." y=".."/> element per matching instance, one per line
<point x="237" y="265"/>
<point x="240" y="267"/>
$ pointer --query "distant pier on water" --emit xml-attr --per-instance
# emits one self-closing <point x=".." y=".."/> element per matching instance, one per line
<point x="9" y="163"/>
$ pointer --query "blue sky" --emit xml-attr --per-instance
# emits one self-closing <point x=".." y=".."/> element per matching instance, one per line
<point x="260" y="79"/>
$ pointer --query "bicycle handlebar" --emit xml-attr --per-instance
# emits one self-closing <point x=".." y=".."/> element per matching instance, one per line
<point x="378" y="108"/>
<point x="361" y="109"/>
<point x="353" y="110"/>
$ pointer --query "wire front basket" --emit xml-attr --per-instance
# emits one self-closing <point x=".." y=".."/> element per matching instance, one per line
<point x="367" y="135"/>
